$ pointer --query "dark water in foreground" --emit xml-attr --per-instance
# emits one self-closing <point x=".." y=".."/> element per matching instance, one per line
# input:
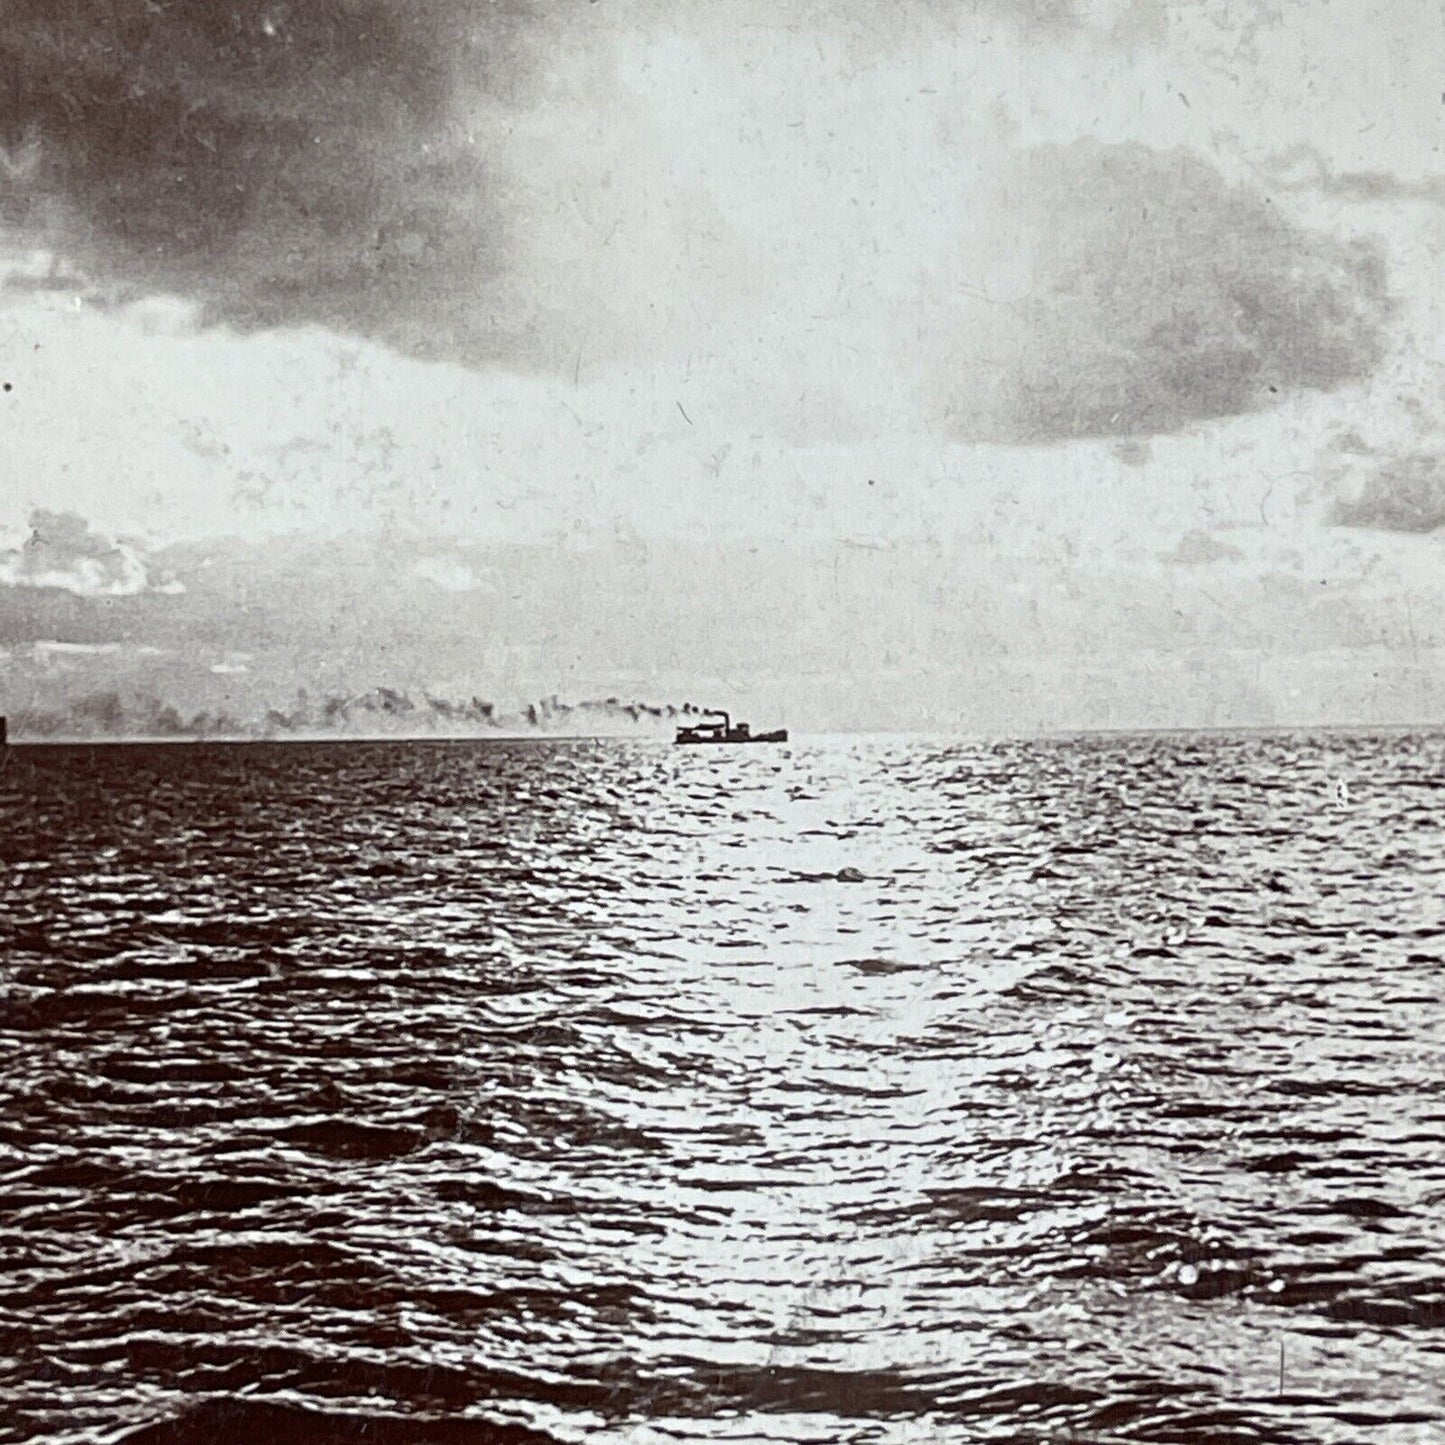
<point x="876" y="1091"/>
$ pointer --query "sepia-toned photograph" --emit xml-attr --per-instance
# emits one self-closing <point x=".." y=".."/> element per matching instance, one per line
<point x="722" y="721"/>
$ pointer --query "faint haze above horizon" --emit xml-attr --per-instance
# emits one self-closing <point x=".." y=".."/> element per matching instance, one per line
<point x="1009" y="365"/>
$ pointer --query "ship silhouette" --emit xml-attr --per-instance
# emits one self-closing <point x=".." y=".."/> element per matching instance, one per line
<point x="726" y="732"/>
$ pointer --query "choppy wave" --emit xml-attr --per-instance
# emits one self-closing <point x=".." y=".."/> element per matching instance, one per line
<point x="1084" y="1090"/>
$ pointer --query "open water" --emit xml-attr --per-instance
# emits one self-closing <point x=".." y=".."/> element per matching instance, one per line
<point x="1083" y="1090"/>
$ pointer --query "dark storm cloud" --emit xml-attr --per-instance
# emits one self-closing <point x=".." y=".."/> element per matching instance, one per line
<point x="1164" y="296"/>
<point x="274" y="160"/>
<point x="1404" y="494"/>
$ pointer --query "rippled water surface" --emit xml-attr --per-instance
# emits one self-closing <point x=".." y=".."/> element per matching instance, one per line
<point x="1085" y="1090"/>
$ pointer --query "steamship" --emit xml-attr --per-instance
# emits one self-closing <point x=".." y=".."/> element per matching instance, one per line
<point x="726" y="732"/>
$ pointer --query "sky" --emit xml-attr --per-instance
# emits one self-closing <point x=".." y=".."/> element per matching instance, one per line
<point x="946" y="365"/>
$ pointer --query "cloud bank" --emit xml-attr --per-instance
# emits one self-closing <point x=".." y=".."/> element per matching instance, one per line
<point x="1163" y="296"/>
<point x="62" y="552"/>
<point x="1402" y="494"/>
<point x="1057" y="631"/>
<point x="1303" y="168"/>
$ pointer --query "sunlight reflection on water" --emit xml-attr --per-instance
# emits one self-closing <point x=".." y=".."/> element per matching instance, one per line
<point x="863" y="1090"/>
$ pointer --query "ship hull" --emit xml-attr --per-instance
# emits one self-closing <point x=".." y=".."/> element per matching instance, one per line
<point x="779" y="736"/>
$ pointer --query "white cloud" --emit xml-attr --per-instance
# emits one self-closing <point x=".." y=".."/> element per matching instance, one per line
<point x="449" y="574"/>
<point x="63" y="553"/>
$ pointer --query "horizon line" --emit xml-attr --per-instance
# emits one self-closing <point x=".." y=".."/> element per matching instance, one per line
<point x="1126" y="730"/>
